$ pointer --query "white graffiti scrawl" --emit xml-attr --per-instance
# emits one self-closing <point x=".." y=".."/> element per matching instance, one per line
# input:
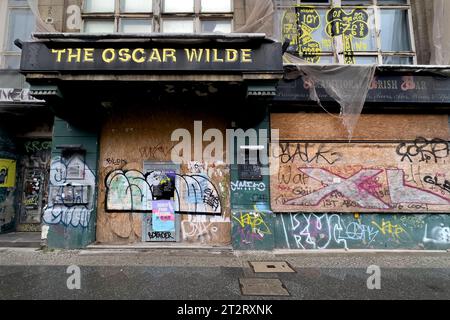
<point x="360" y="189"/>
<point x="352" y="188"/>
<point x="71" y="198"/>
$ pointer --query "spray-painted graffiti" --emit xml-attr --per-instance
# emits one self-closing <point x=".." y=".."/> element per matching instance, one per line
<point x="134" y="191"/>
<point x="37" y="146"/>
<point x="251" y="226"/>
<point x="248" y="186"/>
<point x="36" y="160"/>
<point x="71" y="200"/>
<point x="424" y="150"/>
<point x="367" y="231"/>
<point x="366" y="178"/>
<point x="437" y="235"/>
<point x="6" y="211"/>
<point x="362" y="188"/>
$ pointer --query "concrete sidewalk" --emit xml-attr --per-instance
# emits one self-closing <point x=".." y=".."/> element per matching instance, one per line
<point x="219" y="275"/>
<point x="20" y="240"/>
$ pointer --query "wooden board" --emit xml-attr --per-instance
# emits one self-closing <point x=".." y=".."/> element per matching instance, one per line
<point x="315" y="126"/>
<point x="362" y="177"/>
<point x="135" y="134"/>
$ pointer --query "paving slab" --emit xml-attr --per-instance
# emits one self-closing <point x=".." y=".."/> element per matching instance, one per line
<point x="20" y="240"/>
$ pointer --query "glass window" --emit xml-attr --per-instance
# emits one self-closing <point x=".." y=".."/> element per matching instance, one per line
<point x="397" y="60"/>
<point x="135" y="25"/>
<point x="387" y="2"/>
<point x="394" y="30"/>
<point x="312" y="39"/>
<point x="12" y="62"/>
<point x="99" y="5"/>
<point x="178" y="26"/>
<point x="223" y="26"/>
<point x="21" y="24"/>
<point x="99" y="26"/>
<point x="216" y="6"/>
<point x="129" y="6"/>
<point x="172" y="6"/>
<point x="356" y="2"/>
<point x="356" y="26"/>
<point x="366" y="59"/>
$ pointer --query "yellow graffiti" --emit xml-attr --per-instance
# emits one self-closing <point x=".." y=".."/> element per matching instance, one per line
<point x="388" y="228"/>
<point x="308" y="20"/>
<point x="255" y="220"/>
<point x="7" y="173"/>
<point x="349" y="25"/>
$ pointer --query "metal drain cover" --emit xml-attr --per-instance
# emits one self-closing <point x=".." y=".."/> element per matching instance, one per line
<point x="271" y="267"/>
<point x="262" y="287"/>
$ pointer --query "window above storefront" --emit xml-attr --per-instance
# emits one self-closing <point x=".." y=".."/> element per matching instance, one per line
<point x="16" y="22"/>
<point x="348" y="31"/>
<point x="167" y="16"/>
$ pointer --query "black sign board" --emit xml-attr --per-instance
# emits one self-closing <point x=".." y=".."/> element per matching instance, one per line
<point x="384" y="88"/>
<point x="249" y="172"/>
<point x="112" y="57"/>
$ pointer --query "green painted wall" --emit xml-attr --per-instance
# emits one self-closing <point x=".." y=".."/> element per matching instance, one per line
<point x="366" y="231"/>
<point x="71" y="225"/>
<point x="252" y="220"/>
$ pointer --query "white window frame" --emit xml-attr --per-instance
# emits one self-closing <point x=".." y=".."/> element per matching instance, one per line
<point x="158" y="15"/>
<point x="4" y="31"/>
<point x="337" y="41"/>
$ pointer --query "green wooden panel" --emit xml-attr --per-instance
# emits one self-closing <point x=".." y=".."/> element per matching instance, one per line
<point x="366" y="231"/>
<point x="63" y="129"/>
<point x="72" y="226"/>
<point x="253" y="230"/>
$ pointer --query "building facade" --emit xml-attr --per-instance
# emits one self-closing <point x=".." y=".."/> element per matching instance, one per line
<point x="257" y="124"/>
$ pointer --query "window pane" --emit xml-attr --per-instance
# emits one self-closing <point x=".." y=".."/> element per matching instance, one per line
<point x="311" y="37"/>
<point x="216" y="6"/>
<point x="223" y="26"/>
<point x="178" y="26"/>
<point x="326" y="60"/>
<point x="136" y="6"/>
<point x="357" y="2"/>
<point x="384" y="2"/>
<point x="99" y="6"/>
<point x="98" y="26"/>
<point x="21" y="25"/>
<point x="136" y="25"/>
<point x="18" y="3"/>
<point x="356" y="26"/>
<point x="394" y="30"/>
<point x="178" y="5"/>
<point x="12" y="62"/>
<point x="397" y="60"/>
<point x="366" y="60"/>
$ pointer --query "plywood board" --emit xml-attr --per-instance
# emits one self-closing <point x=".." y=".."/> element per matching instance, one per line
<point x="320" y="126"/>
<point x="362" y="177"/>
<point x="134" y="134"/>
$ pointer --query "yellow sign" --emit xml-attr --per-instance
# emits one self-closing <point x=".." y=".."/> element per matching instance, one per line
<point x="7" y="173"/>
<point x="155" y="55"/>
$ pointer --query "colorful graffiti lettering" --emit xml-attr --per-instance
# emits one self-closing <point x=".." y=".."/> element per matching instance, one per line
<point x="71" y="201"/>
<point x="251" y="226"/>
<point x="368" y="231"/>
<point x="134" y="191"/>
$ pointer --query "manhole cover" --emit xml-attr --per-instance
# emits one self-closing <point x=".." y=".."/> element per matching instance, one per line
<point x="262" y="287"/>
<point x="271" y="267"/>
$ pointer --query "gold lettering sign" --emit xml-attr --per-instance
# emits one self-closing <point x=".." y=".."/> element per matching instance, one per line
<point x="155" y="55"/>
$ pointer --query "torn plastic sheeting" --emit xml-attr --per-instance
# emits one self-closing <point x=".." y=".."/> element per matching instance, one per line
<point x="441" y="35"/>
<point x="260" y="15"/>
<point x="338" y="81"/>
